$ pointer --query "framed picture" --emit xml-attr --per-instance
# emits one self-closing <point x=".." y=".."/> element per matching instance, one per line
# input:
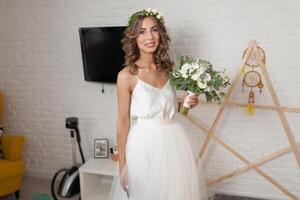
<point x="101" y="148"/>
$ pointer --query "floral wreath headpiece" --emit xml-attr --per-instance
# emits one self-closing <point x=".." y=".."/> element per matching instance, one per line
<point x="146" y="12"/>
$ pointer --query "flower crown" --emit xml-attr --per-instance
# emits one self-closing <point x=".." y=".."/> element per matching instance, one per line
<point x="146" y="12"/>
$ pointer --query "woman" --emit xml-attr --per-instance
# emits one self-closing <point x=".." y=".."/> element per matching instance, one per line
<point x="155" y="158"/>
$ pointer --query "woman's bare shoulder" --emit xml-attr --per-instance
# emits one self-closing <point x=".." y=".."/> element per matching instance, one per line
<point x="124" y="76"/>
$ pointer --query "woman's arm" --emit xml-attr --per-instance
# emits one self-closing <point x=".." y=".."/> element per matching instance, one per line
<point x="123" y="121"/>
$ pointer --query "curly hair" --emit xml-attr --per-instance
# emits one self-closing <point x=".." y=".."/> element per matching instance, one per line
<point x="132" y="53"/>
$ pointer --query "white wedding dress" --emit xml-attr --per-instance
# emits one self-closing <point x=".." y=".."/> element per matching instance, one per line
<point x="160" y="162"/>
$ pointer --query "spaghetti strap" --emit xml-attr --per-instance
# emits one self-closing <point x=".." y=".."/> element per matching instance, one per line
<point x="136" y="77"/>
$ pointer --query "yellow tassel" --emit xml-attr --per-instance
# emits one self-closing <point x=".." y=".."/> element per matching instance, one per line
<point x="243" y="71"/>
<point x="248" y="108"/>
<point x="250" y="105"/>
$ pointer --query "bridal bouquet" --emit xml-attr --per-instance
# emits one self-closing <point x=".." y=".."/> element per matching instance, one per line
<point x="197" y="76"/>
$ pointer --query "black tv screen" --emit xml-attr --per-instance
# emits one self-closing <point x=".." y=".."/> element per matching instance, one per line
<point x="102" y="53"/>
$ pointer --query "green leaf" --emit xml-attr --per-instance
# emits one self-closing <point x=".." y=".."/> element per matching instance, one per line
<point x="208" y="97"/>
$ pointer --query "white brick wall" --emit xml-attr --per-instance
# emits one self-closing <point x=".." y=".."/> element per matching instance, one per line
<point x="41" y="75"/>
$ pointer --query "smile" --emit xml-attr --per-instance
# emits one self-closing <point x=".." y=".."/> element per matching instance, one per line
<point x="150" y="45"/>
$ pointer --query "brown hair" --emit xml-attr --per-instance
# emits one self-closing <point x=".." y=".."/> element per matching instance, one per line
<point x="132" y="53"/>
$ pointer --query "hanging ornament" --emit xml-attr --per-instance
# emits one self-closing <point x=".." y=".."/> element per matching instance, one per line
<point x="252" y="62"/>
<point x="252" y="79"/>
<point x="250" y="105"/>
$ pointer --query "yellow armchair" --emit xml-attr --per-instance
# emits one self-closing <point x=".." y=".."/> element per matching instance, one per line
<point x="12" y="166"/>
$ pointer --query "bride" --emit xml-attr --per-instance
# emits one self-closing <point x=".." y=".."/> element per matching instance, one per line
<point x="156" y="161"/>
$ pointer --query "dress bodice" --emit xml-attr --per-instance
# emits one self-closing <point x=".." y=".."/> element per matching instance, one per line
<point x="149" y="102"/>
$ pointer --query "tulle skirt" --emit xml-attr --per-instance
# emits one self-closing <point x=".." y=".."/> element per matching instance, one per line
<point x="160" y="164"/>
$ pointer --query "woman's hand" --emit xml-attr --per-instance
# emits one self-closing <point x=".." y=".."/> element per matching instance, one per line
<point x="192" y="100"/>
<point x="124" y="178"/>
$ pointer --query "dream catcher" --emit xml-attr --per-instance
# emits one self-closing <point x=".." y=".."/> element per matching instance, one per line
<point x="252" y="78"/>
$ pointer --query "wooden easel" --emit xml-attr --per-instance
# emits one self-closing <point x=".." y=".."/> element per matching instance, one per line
<point x="211" y="134"/>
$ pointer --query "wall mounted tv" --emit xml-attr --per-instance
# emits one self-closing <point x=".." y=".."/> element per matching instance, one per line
<point x="102" y="53"/>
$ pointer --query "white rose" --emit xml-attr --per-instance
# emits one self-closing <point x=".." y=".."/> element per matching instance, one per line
<point x="158" y="16"/>
<point x="148" y="9"/>
<point x="154" y="11"/>
<point x="195" y="66"/>
<point x="201" y="85"/>
<point x="184" y="73"/>
<point x="195" y="76"/>
<point x="161" y="14"/>
<point x="207" y="77"/>
<point x="185" y="66"/>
